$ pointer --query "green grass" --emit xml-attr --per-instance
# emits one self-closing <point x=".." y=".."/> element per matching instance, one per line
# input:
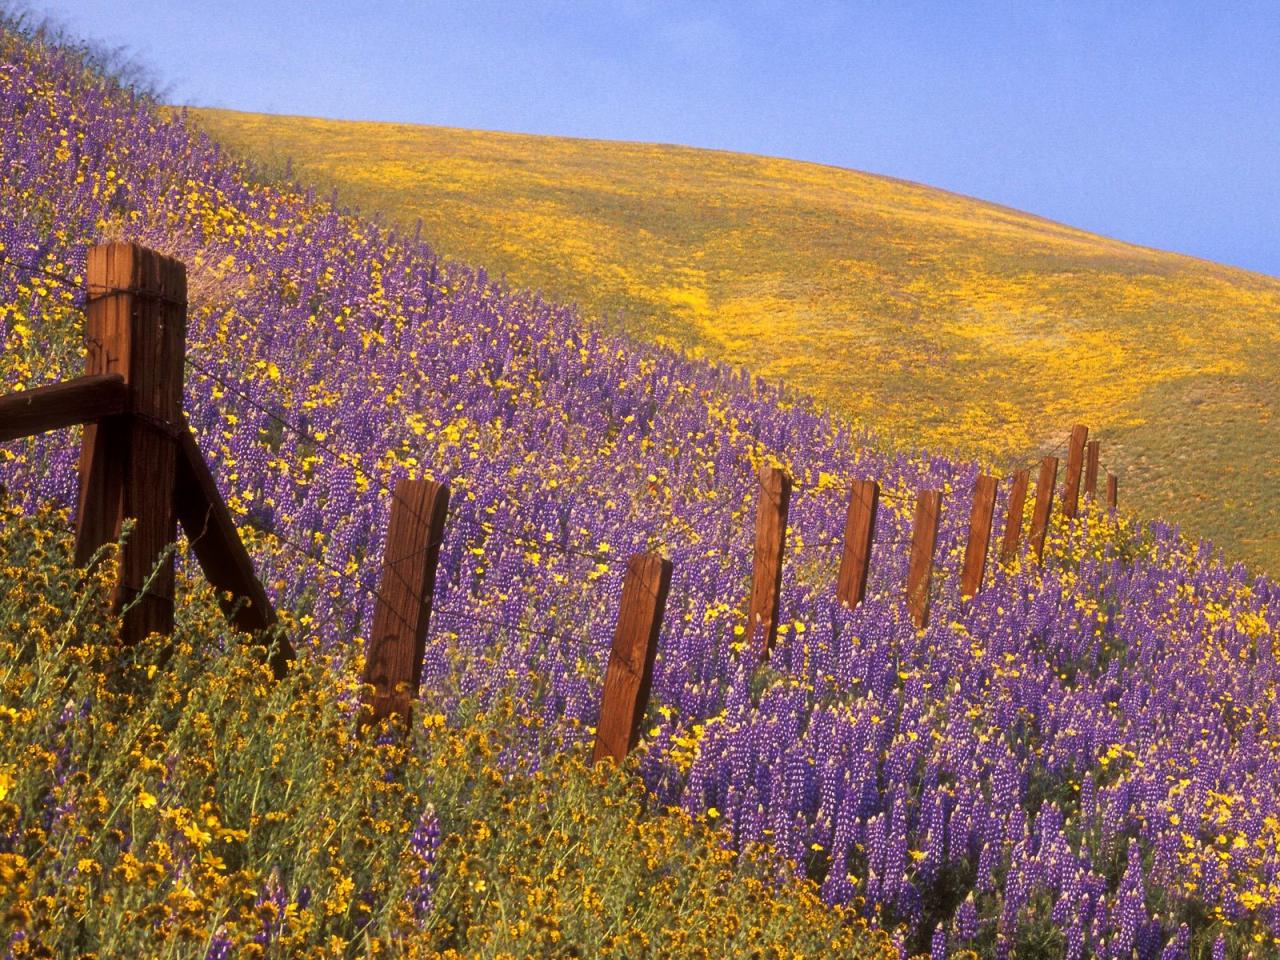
<point x="943" y="322"/>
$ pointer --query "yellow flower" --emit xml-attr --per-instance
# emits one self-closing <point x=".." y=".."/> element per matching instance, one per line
<point x="146" y="800"/>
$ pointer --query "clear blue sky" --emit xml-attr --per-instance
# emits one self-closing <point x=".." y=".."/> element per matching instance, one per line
<point x="1157" y="123"/>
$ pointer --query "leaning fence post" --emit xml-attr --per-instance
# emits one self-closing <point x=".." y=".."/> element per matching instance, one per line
<point x="766" y="574"/>
<point x="924" y="539"/>
<point x="1044" y="505"/>
<point x="1075" y="461"/>
<point x="1091" y="451"/>
<point x="859" y="531"/>
<point x="975" y="553"/>
<point x="135" y="327"/>
<point x="397" y="643"/>
<point x="635" y="647"/>
<point x="1013" y="515"/>
<point x="1112" y="484"/>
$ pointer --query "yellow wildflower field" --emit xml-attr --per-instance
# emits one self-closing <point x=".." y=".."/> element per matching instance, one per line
<point x="941" y="321"/>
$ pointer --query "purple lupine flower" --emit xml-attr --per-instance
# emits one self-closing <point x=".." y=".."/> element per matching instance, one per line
<point x="270" y="908"/>
<point x="219" y="946"/>
<point x="425" y="842"/>
<point x="967" y="920"/>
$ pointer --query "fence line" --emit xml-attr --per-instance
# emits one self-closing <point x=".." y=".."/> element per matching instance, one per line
<point x="138" y="454"/>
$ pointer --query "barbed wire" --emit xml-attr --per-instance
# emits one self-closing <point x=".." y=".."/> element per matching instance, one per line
<point x="486" y="525"/>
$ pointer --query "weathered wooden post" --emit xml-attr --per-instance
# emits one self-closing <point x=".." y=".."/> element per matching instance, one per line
<point x="766" y="574"/>
<point x="859" y="532"/>
<point x="402" y="615"/>
<point x="214" y="540"/>
<point x="1091" y="452"/>
<point x="975" y="553"/>
<point x="136" y="328"/>
<point x="924" y="540"/>
<point x="1013" y="516"/>
<point x="1044" y="505"/>
<point x="635" y="647"/>
<point x="1112" y="491"/>
<point x="1075" y="462"/>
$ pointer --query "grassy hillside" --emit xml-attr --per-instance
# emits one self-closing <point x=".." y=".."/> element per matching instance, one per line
<point x="1080" y="761"/>
<point x="943" y="321"/>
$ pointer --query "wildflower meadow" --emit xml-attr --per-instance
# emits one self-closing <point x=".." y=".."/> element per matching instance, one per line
<point x="1083" y="760"/>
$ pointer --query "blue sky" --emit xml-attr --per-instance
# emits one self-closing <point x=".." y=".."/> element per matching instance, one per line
<point x="1158" y="123"/>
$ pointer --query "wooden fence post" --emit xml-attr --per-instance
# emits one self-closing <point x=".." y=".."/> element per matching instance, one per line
<point x="766" y="574"/>
<point x="1013" y="515"/>
<point x="1044" y="505"/>
<point x="635" y="647"/>
<point x="975" y="553"/>
<point x="135" y="327"/>
<point x="1091" y="452"/>
<point x="1075" y="461"/>
<point x="924" y="539"/>
<point x="859" y="532"/>
<point x="402" y="615"/>
<point x="1112" y="492"/>
<point x="216" y="543"/>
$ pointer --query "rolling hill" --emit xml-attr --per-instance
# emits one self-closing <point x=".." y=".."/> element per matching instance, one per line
<point x="939" y="320"/>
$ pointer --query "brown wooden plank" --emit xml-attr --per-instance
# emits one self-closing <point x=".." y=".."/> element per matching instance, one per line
<point x="859" y="533"/>
<point x="635" y="647"/>
<point x="975" y="552"/>
<point x="924" y="540"/>
<point x="1013" y="515"/>
<point x="1075" y="463"/>
<point x="1091" y="452"/>
<point x="397" y="643"/>
<point x="216" y="543"/>
<point x="135" y="327"/>
<point x="58" y="405"/>
<point x="1112" y="491"/>
<point x="766" y="575"/>
<point x="1044" y="505"/>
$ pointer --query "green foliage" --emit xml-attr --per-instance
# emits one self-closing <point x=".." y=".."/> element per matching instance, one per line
<point x="171" y="800"/>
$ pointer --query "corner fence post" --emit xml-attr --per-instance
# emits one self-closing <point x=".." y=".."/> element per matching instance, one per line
<point x="859" y="532"/>
<point x="766" y="574"/>
<point x="635" y="648"/>
<point x="975" y="552"/>
<point x="136" y="328"/>
<point x="924" y="540"/>
<point x="397" y="641"/>
<point x="1044" y="505"/>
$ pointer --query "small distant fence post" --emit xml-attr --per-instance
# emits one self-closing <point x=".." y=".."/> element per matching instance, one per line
<point x="1013" y="516"/>
<point x="924" y="540"/>
<point x="402" y="615"/>
<point x="1075" y="462"/>
<point x="1091" y="453"/>
<point x="975" y="554"/>
<point x="766" y="576"/>
<point x="1112" y="491"/>
<point x="135" y="327"/>
<point x="1044" y="505"/>
<point x="635" y="647"/>
<point x="859" y="532"/>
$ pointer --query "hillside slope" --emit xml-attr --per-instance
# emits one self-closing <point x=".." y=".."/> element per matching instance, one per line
<point x="1082" y="760"/>
<point x="942" y="321"/>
